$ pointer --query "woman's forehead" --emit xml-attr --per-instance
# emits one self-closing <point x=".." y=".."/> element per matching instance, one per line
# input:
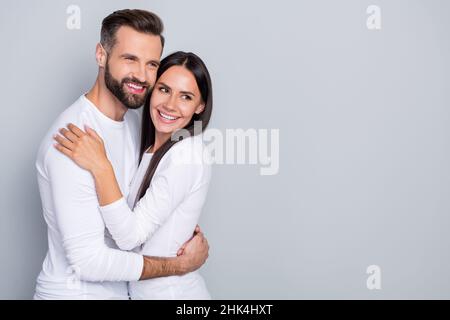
<point x="179" y="78"/>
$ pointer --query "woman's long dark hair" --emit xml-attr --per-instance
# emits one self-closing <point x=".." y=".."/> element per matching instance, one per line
<point x="195" y="65"/>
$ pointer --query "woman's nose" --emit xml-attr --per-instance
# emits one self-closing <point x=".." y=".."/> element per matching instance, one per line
<point x="171" y="103"/>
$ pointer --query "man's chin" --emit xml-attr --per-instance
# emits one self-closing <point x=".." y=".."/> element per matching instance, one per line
<point x="132" y="103"/>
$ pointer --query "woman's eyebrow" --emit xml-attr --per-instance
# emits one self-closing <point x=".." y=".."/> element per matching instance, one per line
<point x="188" y="93"/>
<point x="182" y="92"/>
<point x="163" y="84"/>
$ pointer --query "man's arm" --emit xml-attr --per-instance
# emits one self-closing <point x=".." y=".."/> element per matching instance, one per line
<point x="80" y="224"/>
<point x="171" y="184"/>
<point x="194" y="256"/>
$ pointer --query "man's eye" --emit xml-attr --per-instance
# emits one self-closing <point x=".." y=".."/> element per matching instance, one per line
<point x="129" y="58"/>
<point x="153" y="65"/>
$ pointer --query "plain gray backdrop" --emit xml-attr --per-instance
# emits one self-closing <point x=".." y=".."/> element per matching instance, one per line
<point x="364" y="128"/>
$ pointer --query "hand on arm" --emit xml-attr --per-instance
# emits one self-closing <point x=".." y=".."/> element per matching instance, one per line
<point x="181" y="250"/>
<point x="194" y="256"/>
<point x="87" y="150"/>
<point x="128" y="229"/>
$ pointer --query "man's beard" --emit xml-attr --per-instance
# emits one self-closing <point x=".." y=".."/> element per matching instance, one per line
<point x="129" y="100"/>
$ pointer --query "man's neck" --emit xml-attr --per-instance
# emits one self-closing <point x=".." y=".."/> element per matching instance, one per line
<point x="106" y="102"/>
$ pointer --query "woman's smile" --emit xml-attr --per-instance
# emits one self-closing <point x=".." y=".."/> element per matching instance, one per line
<point x="167" y="118"/>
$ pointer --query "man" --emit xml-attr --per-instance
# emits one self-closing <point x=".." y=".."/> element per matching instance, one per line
<point x="82" y="261"/>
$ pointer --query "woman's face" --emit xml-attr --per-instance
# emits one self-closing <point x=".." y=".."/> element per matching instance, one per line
<point x="175" y="99"/>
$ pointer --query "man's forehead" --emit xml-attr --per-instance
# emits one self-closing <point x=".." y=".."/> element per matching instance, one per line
<point x="130" y="41"/>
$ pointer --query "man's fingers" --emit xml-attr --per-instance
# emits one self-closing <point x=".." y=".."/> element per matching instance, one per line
<point x="77" y="131"/>
<point x="181" y="250"/>
<point x="199" y="235"/>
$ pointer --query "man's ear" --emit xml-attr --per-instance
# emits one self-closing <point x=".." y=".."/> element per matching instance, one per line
<point x="200" y="109"/>
<point x="100" y="55"/>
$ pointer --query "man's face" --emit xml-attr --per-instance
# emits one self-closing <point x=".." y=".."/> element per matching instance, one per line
<point x="131" y="66"/>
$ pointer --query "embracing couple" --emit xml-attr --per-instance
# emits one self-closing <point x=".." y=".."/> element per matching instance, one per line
<point x="121" y="208"/>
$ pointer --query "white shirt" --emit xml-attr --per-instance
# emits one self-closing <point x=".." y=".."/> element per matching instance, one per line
<point x="82" y="262"/>
<point x="165" y="218"/>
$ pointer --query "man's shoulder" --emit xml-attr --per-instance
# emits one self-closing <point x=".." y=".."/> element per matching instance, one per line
<point x="76" y="114"/>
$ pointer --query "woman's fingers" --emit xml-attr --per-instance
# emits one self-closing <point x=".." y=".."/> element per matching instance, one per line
<point x="67" y="144"/>
<point x="69" y="135"/>
<point x="63" y="149"/>
<point x="75" y="130"/>
<point x="92" y="133"/>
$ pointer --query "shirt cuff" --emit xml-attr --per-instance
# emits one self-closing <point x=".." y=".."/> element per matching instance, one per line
<point x="137" y="266"/>
<point x="112" y="206"/>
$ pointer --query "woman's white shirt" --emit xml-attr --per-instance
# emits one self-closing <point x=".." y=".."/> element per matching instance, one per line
<point x="165" y="217"/>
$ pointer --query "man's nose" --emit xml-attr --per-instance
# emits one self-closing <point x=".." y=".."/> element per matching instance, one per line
<point x="139" y="74"/>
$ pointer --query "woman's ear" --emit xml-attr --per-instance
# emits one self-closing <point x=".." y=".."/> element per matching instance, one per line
<point x="200" y="109"/>
<point x="100" y="55"/>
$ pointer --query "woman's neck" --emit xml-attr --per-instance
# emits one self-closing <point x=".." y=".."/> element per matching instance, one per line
<point x="160" y="139"/>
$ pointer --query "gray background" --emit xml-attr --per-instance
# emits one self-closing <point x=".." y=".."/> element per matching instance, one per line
<point x="364" y="139"/>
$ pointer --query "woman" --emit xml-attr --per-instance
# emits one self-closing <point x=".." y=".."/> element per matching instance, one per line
<point x="171" y="183"/>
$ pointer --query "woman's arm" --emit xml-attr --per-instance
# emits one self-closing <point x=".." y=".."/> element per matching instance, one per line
<point x="88" y="151"/>
<point x="172" y="182"/>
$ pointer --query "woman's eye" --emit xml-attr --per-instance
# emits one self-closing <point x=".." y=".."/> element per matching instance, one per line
<point x="186" y="97"/>
<point x="162" y="89"/>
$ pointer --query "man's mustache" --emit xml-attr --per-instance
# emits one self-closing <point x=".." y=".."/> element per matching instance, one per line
<point x="136" y="81"/>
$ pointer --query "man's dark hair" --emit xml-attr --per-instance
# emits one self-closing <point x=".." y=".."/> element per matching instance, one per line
<point x="139" y="20"/>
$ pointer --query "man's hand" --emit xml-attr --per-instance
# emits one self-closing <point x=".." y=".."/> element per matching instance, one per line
<point x="195" y="253"/>
<point x="181" y="250"/>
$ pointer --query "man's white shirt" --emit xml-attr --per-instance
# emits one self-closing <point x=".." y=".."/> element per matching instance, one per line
<point x="83" y="261"/>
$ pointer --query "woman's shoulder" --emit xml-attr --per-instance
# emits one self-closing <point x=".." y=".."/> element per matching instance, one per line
<point x="190" y="151"/>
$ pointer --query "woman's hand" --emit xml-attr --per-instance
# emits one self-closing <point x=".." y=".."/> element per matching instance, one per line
<point x="86" y="149"/>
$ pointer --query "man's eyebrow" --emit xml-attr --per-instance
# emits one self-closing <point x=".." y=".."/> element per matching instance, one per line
<point x="183" y="92"/>
<point x="157" y="62"/>
<point x="129" y="55"/>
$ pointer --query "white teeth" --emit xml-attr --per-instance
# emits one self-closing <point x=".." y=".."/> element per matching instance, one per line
<point x="134" y="86"/>
<point x="166" y="116"/>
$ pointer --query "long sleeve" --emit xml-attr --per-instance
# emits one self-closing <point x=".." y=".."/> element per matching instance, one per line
<point x="81" y="226"/>
<point x="173" y="180"/>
